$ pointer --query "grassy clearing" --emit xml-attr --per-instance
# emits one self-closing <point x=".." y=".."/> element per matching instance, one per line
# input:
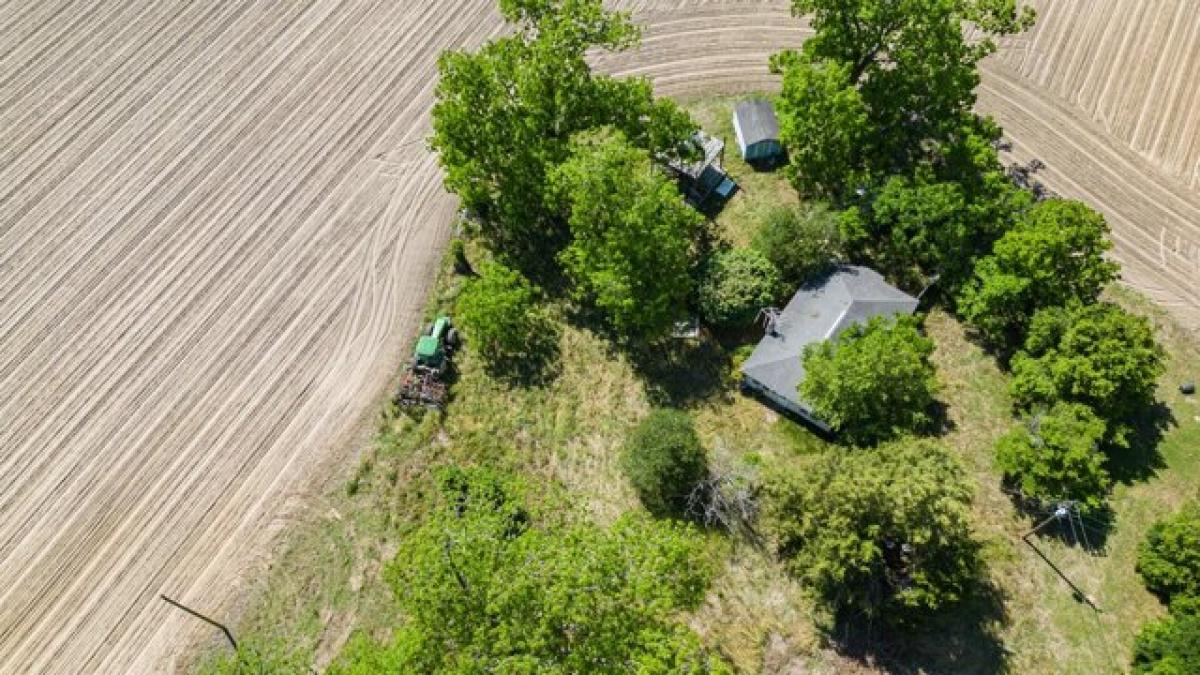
<point x="565" y="434"/>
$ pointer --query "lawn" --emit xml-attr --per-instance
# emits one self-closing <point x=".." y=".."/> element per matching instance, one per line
<point x="564" y="433"/>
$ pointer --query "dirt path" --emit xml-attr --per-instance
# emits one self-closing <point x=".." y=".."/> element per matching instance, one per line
<point x="217" y="225"/>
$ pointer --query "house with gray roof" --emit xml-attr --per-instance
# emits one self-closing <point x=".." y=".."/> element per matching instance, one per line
<point x="849" y="295"/>
<point x="757" y="131"/>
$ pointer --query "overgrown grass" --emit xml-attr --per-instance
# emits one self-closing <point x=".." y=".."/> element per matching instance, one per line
<point x="564" y="434"/>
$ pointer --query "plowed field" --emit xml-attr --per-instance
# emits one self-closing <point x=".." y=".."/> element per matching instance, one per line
<point x="218" y="222"/>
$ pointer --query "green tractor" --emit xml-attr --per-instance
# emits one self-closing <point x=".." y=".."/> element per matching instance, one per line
<point x="425" y="384"/>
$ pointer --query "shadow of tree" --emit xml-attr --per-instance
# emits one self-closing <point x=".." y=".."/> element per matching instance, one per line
<point x="680" y="372"/>
<point x="963" y="639"/>
<point x="1142" y="459"/>
<point x="538" y="366"/>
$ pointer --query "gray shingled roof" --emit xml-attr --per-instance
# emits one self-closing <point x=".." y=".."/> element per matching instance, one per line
<point x="849" y="295"/>
<point x="756" y="120"/>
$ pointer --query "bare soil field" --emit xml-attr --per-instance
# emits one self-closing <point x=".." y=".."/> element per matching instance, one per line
<point x="218" y="223"/>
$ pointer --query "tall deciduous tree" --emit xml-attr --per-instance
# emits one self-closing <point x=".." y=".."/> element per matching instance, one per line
<point x="874" y="381"/>
<point x="885" y="531"/>
<point x="1056" y="455"/>
<point x="499" y="313"/>
<point x="505" y="115"/>
<point x="1098" y="355"/>
<point x="485" y="591"/>
<point x="632" y="234"/>
<point x="913" y="67"/>
<point x="1053" y="257"/>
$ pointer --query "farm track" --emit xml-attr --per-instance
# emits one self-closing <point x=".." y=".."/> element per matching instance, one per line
<point x="218" y="225"/>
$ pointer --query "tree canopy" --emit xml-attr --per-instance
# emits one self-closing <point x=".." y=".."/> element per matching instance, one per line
<point x="1170" y="646"/>
<point x="874" y="381"/>
<point x="1056" y="455"/>
<point x="1099" y="355"/>
<point x="1169" y="557"/>
<point x="499" y="313"/>
<point x="885" y="531"/>
<point x="735" y="284"/>
<point x="881" y="79"/>
<point x="665" y="461"/>
<point x="1054" y="256"/>
<point x="632" y="234"/>
<point x="486" y="590"/>
<point x="505" y="115"/>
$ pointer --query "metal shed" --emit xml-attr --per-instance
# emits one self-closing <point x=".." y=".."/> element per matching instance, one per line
<point x="818" y="312"/>
<point x="757" y="131"/>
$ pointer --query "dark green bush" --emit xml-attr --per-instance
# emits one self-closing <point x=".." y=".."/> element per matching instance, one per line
<point x="1170" y="646"/>
<point x="664" y="460"/>
<point x="1169" y="557"/>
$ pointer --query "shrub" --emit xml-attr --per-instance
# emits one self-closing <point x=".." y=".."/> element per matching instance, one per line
<point x="1170" y="646"/>
<point x="884" y="531"/>
<point x="1056" y="455"/>
<point x="874" y="381"/>
<point x="1099" y="355"/>
<point x="499" y="314"/>
<point x="736" y="284"/>
<point x="1169" y="557"/>
<point x="801" y="242"/>
<point x="664" y="460"/>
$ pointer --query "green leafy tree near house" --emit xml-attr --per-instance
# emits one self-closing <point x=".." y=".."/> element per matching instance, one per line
<point x="1056" y="455"/>
<point x="1098" y="355"/>
<point x="632" y="235"/>
<point x="505" y="115"/>
<point x="884" y="531"/>
<point x="883" y="78"/>
<point x="664" y="460"/>
<point x="874" y="381"/>
<point x="485" y="589"/>
<point x="735" y="284"/>
<point x="824" y="123"/>
<point x="498" y="311"/>
<point x="1169" y="557"/>
<point x="801" y="242"/>
<point x="1053" y="257"/>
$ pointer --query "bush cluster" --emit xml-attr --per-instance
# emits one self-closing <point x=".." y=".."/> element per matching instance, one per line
<point x="665" y="461"/>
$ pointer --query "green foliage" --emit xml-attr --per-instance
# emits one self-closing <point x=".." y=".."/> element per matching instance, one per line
<point x="1056" y="455"/>
<point x="485" y="591"/>
<point x="823" y="121"/>
<point x="843" y="526"/>
<point x="801" y="242"/>
<point x="1053" y="257"/>
<point x="913" y="70"/>
<point x="1099" y="355"/>
<point x="1169" y="557"/>
<point x="664" y="460"/>
<point x="505" y="115"/>
<point x="874" y="381"/>
<point x="736" y="284"/>
<point x="1170" y="646"/>
<point x="499" y="314"/>
<point x="632" y="234"/>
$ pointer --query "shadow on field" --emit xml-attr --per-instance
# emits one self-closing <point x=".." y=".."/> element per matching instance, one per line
<point x="961" y="640"/>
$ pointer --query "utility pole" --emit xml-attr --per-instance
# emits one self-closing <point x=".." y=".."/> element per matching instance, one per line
<point x="1061" y="512"/>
